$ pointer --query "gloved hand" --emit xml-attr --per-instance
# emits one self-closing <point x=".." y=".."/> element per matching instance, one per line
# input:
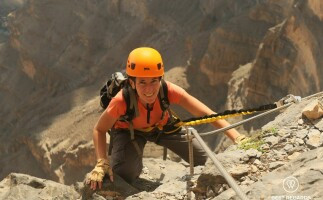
<point x="288" y="99"/>
<point x="240" y="139"/>
<point x="101" y="168"/>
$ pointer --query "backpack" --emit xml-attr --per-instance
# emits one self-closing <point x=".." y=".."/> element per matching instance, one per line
<point x="119" y="81"/>
<point x="111" y="88"/>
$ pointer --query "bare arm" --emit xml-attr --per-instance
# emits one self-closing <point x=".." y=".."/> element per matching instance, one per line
<point x="104" y="123"/>
<point x="198" y="109"/>
<point x="99" y="138"/>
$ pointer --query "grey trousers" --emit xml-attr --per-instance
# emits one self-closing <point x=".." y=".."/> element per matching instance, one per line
<point x="127" y="163"/>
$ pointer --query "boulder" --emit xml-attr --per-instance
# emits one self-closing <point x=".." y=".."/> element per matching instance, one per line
<point x="20" y="187"/>
<point x="313" y="110"/>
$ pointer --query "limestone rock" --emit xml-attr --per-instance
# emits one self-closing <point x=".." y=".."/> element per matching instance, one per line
<point x="167" y="170"/>
<point x="275" y="165"/>
<point x="272" y="140"/>
<point x="314" y="139"/>
<point x="299" y="141"/>
<point x="21" y="186"/>
<point x="163" y="180"/>
<point x="302" y="133"/>
<point x="306" y="169"/>
<point x="288" y="147"/>
<point x="254" y="168"/>
<point x="313" y="110"/>
<point x="253" y="153"/>
<point x="294" y="155"/>
<point x="118" y="189"/>
<point x="257" y="162"/>
<point x="319" y="124"/>
<point x="300" y="122"/>
<point x="232" y="161"/>
<point x="238" y="171"/>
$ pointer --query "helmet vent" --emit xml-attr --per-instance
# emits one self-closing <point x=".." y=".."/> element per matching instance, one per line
<point x="159" y="66"/>
<point x="133" y="65"/>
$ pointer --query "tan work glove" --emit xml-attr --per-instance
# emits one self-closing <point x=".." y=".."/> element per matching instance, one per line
<point x="240" y="139"/>
<point x="101" y="168"/>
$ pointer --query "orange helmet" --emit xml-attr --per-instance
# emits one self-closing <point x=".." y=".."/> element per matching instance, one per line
<point x="145" y="62"/>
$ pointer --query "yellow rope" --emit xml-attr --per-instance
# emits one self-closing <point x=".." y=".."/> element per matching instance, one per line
<point x="211" y="119"/>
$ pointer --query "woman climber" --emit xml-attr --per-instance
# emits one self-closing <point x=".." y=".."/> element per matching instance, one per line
<point x="145" y="87"/>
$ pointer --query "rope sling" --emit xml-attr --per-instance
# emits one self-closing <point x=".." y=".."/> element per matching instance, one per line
<point x="178" y="123"/>
<point x="224" y="115"/>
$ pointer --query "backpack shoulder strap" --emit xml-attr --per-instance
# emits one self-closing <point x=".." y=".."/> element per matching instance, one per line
<point x="129" y="96"/>
<point x="163" y="95"/>
<point x="163" y="99"/>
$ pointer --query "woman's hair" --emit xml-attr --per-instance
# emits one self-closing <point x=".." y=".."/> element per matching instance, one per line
<point x="132" y="78"/>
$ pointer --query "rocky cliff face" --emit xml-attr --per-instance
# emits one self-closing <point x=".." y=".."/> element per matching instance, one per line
<point x="288" y="58"/>
<point x="58" y="53"/>
<point x="7" y="6"/>
<point x="290" y="145"/>
<point x="290" y="148"/>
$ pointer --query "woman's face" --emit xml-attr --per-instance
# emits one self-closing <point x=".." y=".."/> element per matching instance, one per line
<point x="147" y="88"/>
